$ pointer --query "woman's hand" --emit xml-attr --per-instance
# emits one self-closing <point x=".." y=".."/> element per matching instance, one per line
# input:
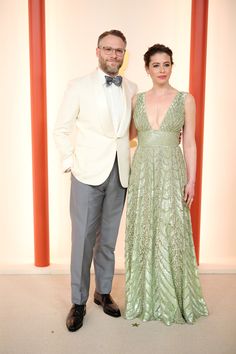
<point x="189" y="193"/>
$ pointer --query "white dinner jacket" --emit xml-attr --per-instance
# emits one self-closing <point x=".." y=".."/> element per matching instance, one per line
<point x="91" y="153"/>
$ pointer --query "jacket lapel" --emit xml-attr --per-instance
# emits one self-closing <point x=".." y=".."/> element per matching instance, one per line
<point x="125" y="119"/>
<point x="101" y="107"/>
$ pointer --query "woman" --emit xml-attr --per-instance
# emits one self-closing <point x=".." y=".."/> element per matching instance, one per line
<point x="161" y="272"/>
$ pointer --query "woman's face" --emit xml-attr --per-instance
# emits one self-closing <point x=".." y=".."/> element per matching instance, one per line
<point x="160" y="68"/>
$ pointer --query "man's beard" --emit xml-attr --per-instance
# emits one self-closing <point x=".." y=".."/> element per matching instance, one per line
<point x="110" y="70"/>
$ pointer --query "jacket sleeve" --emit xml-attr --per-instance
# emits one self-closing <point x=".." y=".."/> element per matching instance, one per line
<point x="65" y="124"/>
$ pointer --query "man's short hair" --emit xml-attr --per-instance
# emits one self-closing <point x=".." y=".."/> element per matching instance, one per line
<point x="113" y="32"/>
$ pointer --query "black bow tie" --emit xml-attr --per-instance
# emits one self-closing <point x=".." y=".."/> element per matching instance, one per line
<point x="117" y="80"/>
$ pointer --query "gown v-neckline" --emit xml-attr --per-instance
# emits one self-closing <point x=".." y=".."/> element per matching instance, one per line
<point x="165" y="115"/>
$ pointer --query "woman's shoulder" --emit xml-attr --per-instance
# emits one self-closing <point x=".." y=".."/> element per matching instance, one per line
<point x="188" y="100"/>
<point x="138" y="96"/>
<point x="137" y="99"/>
<point x="187" y="97"/>
<point x="186" y="94"/>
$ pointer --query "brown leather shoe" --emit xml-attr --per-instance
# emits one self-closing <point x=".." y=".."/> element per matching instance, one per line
<point x="108" y="304"/>
<point x="75" y="317"/>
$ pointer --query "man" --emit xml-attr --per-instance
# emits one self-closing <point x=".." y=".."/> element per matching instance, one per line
<point x="99" y="107"/>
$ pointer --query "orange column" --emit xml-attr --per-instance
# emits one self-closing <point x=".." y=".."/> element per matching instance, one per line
<point x="197" y="88"/>
<point x="39" y="130"/>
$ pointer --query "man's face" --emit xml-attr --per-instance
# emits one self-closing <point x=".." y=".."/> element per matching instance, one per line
<point x="110" y="54"/>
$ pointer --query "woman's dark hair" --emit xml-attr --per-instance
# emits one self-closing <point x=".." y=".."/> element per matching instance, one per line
<point x="157" y="48"/>
<point x="113" y="33"/>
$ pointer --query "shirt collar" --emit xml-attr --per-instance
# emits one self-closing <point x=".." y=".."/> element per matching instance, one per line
<point x="101" y="75"/>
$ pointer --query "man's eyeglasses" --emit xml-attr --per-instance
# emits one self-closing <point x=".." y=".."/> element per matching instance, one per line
<point x="109" y="50"/>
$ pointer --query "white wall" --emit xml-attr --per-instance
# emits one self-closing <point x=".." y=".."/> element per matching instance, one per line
<point x="218" y="228"/>
<point x="72" y="28"/>
<point x="16" y="215"/>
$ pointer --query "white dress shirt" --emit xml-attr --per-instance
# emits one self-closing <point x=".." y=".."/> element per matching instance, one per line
<point x="115" y="100"/>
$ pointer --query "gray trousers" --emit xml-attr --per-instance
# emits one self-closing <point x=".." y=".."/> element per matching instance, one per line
<point x="95" y="215"/>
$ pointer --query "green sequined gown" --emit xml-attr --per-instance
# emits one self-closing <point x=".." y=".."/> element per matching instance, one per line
<point x="162" y="280"/>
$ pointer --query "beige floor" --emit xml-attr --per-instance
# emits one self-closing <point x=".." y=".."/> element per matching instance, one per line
<point x="33" y="310"/>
